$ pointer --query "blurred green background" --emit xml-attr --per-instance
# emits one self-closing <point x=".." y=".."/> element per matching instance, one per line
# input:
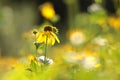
<point x="19" y="16"/>
<point x="89" y="31"/>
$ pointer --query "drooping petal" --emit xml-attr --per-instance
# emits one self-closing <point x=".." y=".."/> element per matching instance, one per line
<point x="49" y="40"/>
<point x="52" y="40"/>
<point x="44" y="39"/>
<point x="54" y="35"/>
<point x="39" y="37"/>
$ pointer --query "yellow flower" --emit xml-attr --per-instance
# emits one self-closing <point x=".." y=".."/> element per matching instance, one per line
<point x="47" y="36"/>
<point x="47" y="10"/>
<point x="114" y="22"/>
<point x="32" y="58"/>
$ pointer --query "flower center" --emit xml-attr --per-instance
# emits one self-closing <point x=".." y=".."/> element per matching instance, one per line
<point x="48" y="28"/>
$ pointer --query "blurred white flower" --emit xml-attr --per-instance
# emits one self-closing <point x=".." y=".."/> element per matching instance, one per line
<point x="42" y="59"/>
<point x="94" y="8"/>
<point x="77" y="38"/>
<point x="50" y="61"/>
<point x="100" y="41"/>
<point x="89" y="62"/>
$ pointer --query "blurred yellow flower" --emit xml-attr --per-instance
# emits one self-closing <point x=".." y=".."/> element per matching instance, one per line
<point x="32" y="58"/>
<point x="47" y="10"/>
<point x="89" y="53"/>
<point x="47" y="36"/>
<point x="114" y="22"/>
<point x="97" y="65"/>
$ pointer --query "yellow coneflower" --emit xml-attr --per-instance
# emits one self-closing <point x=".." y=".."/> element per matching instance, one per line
<point x="47" y="10"/>
<point x="47" y="36"/>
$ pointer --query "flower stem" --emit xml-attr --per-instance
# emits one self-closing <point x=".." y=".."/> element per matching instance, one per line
<point x="36" y="52"/>
<point x="35" y="46"/>
<point x="45" y="54"/>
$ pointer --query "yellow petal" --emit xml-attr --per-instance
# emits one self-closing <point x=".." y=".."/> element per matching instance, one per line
<point x="39" y="37"/>
<point x="53" y="40"/>
<point x="54" y="35"/>
<point x="44" y="39"/>
<point x="49" y="40"/>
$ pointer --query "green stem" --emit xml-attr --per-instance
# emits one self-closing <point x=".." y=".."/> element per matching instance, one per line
<point x="35" y="46"/>
<point x="45" y="54"/>
<point x="36" y="52"/>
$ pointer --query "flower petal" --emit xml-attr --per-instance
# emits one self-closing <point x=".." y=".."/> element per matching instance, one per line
<point x="53" y="40"/>
<point x="39" y="37"/>
<point x="54" y="35"/>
